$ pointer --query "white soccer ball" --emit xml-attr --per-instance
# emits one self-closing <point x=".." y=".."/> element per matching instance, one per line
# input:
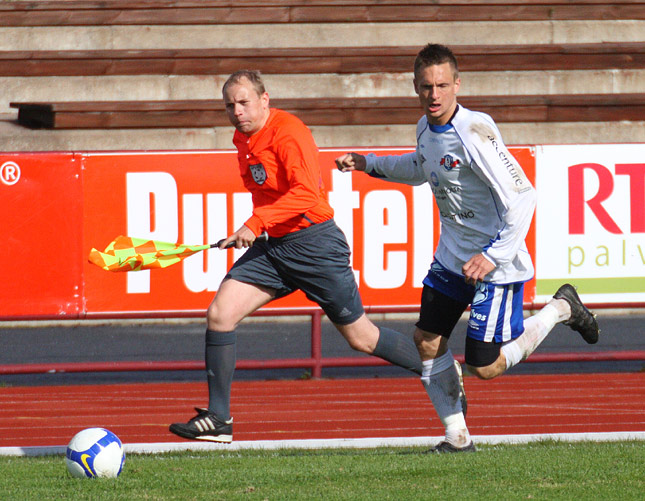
<point x="95" y="452"/>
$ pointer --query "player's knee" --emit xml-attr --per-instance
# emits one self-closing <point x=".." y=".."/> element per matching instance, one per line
<point x="217" y="321"/>
<point x="361" y="344"/>
<point x="361" y="335"/>
<point x="418" y="337"/>
<point x="488" y="372"/>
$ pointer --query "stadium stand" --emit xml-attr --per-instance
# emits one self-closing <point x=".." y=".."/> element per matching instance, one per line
<point x="144" y="12"/>
<point x="342" y="60"/>
<point x="327" y="112"/>
<point x="91" y="71"/>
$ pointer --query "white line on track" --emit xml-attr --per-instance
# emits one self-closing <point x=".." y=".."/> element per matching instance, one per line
<point x="341" y="443"/>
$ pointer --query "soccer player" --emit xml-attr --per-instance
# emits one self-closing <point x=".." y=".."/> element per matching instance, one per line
<point x="485" y="206"/>
<point x="278" y="161"/>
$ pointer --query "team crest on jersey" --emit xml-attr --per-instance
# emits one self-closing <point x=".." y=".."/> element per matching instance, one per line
<point x="448" y="163"/>
<point x="259" y="173"/>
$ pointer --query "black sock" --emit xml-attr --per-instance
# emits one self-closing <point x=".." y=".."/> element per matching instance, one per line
<point x="220" y="365"/>
<point x="398" y="349"/>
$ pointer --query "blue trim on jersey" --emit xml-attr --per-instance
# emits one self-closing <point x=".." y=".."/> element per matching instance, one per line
<point x="438" y="129"/>
<point x="422" y="131"/>
<point x="499" y="215"/>
<point x="375" y="174"/>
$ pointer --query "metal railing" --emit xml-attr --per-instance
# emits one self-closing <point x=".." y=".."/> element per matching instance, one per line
<point x="315" y="363"/>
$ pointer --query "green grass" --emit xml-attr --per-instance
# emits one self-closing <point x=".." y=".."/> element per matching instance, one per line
<point x="543" y="470"/>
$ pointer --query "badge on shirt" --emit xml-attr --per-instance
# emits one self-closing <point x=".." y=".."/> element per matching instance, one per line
<point x="448" y="163"/>
<point x="258" y="173"/>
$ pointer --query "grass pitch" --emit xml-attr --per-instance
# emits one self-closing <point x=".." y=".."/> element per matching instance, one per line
<point x="542" y="470"/>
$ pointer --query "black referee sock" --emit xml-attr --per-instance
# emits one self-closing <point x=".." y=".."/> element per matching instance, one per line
<point x="220" y="365"/>
<point x="398" y="349"/>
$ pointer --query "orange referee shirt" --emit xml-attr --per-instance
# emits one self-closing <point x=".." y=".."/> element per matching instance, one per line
<point x="280" y="167"/>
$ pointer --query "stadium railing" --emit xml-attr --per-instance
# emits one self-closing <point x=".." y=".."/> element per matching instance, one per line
<point x="315" y="363"/>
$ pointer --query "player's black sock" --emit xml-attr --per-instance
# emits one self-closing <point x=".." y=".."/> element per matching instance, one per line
<point x="220" y="365"/>
<point x="398" y="349"/>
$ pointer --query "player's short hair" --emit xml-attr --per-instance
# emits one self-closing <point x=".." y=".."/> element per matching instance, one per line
<point x="253" y="76"/>
<point x="433" y="54"/>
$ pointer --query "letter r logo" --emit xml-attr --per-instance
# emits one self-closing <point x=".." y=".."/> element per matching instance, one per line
<point x="577" y="201"/>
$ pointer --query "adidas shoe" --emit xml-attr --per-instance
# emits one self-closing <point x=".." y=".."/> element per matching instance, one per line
<point x="462" y="391"/>
<point x="205" y="426"/>
<point x="581" y="319"/>
<point x="446" y="447"/>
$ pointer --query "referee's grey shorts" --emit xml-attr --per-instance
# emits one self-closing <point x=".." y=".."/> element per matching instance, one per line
<point x="314" y="260"/>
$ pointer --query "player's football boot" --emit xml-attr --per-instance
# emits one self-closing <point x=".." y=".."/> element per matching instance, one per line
<point x="446" y="448"/>
<point x="205" y="426"/>
<point x="581" y="319"/>
<point x="462" y="391"/>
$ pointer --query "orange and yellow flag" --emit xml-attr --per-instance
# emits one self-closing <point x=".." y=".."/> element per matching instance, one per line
<point x="134" y="254"/>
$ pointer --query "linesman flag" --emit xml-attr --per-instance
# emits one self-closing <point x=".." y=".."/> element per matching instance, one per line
<point x="134" y="254"/>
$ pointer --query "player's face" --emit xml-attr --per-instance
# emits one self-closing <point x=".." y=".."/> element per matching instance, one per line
<point x="437" y="88"/>
<point x="247" y="110"/>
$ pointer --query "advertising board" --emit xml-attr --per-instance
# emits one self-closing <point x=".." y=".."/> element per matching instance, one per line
<point x="591" y="221"/>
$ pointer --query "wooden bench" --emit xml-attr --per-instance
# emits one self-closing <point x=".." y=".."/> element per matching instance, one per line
<point x="323" y="111"/>
<point x="630" y="55"/>
<point x="157" y="12"/>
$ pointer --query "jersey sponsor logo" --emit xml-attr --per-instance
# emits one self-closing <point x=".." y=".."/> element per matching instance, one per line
<point x="458" y="215"/>
<point x="259" y="173"/>
<point x="515" y="171"/>
<point x="442" y="193"/>
<point x="448" y="163"/>
<point x="478" y="316"/>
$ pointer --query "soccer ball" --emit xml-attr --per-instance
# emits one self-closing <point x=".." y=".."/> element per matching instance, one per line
<point x="95" y="452"/>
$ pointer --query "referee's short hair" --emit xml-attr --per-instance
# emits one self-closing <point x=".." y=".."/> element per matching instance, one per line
<point x="253" y="76"/>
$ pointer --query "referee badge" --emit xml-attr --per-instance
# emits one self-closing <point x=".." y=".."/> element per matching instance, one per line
<point x="259" y="173"/>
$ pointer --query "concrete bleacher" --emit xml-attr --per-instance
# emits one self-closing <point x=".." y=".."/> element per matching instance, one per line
<point x="517" y="59"/>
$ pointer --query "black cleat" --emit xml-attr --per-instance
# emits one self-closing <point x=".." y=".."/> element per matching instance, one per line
<point x="205" y="426"/>
<point x="446" y="447"/>
<point x="462" y="391"/>
<point x="581" y="319"/>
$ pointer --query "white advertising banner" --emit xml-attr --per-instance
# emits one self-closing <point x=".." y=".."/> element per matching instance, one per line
<point x="590" y="221"/>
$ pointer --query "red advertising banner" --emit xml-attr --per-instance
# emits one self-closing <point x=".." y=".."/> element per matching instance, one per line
<point x="41" y="206"/>
<point x="65" y="204"/>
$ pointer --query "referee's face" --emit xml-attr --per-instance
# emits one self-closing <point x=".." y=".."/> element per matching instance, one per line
<point x="247" y="110"/>
<point x="437" y="88"/>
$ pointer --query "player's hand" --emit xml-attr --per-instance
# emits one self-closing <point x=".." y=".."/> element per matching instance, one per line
<point x="243" y="237"/>
<point x="476" y="269"/>
<point x="351" y="161"/>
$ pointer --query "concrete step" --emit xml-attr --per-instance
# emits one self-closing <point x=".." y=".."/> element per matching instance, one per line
<point x="180" y="87"/>
<point x="16" y="138"/>
<point x="323" y="35"/>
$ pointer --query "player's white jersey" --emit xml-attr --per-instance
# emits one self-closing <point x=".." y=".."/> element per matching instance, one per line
<point x="485" y="200"/>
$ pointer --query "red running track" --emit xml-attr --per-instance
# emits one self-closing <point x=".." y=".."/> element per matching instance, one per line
<point x="326" y="409"/>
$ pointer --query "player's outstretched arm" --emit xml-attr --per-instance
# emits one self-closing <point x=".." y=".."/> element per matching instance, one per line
<point x="351" y="161"/>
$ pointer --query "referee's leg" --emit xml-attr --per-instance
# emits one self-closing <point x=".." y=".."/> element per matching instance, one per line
<point x="364" y="336"/>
